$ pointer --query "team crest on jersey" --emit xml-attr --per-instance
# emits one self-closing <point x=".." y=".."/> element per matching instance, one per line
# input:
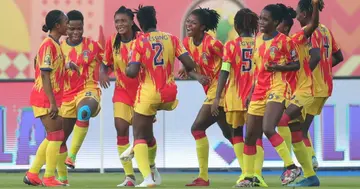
<point x="86" y="55"/>
<point x="293" y="54"/>
<point x="129" y="55"/>
<point x="273" y="49"/>
<point x="47" y="59"/>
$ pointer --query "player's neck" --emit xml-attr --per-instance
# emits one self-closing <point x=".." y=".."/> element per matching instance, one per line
<point x="271" y="35"/>
<point x="126" y="37"/>
<point x="73" y="43"/>
<point x="150" y="30"/>
<point x="245" y="34"/>
<point x="55" y="36"/>
<point x="197" y="39"/>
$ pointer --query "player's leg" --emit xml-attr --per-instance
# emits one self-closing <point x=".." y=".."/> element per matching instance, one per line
<point x="224" y="125"/>
<point x="203" y="120"/>
<point x="273" y="113"/>
<point x="87" y="107"/>
<point x="122" y="118"/>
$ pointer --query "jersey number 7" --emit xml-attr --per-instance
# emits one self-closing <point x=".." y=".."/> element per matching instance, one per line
<point x="158" y="59"/>
<point x="246" y="59"/>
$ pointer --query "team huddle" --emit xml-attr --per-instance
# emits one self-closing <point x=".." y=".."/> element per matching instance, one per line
<point x="264" y="78"/>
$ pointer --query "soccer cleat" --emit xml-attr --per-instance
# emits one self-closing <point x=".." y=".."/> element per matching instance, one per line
<point x="64" y="180"/>
<point x="307" y="182"/>
<point x="315" y="163"/>
<point x="69" y="162"/>
<point x="259" y="181"/>
<point x="199" y="182"/>
<point x="52" y="182"/>
<point x="147" y="183"/>
<point x="32" y="179"/>
<point x="241" y="177"/>
<point x="128" y="182"/>
<point x="245" y="183"/>
<point x="156" y="175"/>
<point x="128" y="154"/>
<point x="290" y="175"/>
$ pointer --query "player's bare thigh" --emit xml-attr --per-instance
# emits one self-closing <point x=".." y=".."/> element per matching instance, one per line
<point x="143" y="127"/>
<point x="52" y="125"/>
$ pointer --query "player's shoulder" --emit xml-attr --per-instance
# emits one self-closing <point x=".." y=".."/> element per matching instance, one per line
<point x="211" y="39"/>
<point x="232" y="42"/>
<point x="49" y="43"/>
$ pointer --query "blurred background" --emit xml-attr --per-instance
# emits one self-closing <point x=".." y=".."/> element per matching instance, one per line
<point x="336" y="133"/>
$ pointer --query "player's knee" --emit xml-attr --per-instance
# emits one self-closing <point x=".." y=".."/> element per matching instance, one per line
<point x="198" y="134"/>
<point x="84" y="113"/>
<point x="227" y="135"/>
<point x="269" y="131"/>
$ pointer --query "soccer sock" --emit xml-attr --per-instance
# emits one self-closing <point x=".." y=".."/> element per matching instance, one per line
<point x="238" y="144"/>
<point x="141" y="153"/>
<point x="39" y="158"/>
<point x="79" y="133"/>
<point x="152" y="152"/>
<point x="61" y="167"/>
<point x="284" y="130"/>
<point x="55" y="140"/>
<point x="311" y="144"/>
<point x="202" y="150"/>
<point x="309" y="147"/>
<point x="301" y="154"/>
<point x="122" y="145"/>
<point x="278" y="143"/>
<point x="259" y="157"/>
<point x="249" y="160"/>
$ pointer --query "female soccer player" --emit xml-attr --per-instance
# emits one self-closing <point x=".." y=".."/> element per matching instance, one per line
<point x="276" y="59"/>
<point x="81" y="99"/>
<point x="207" y="53"/>
<point x="325" y="53"/>
<point x="117" y="52"/>
<point x="238" y="66"/>
<point x="157" y="89"/>
<point x="46" y="98"/>
<point x="302" y="98"/>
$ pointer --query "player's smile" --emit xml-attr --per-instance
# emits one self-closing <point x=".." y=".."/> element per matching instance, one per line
<point x="192" y="25"/>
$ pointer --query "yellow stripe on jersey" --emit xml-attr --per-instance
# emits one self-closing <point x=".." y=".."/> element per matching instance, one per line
<point x="226" y="66"/>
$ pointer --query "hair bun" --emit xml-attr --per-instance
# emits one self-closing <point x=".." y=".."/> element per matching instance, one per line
<point x="45" y="28"/>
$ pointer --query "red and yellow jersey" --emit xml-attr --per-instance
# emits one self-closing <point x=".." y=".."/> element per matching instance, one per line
<point x="207" y="56"/>
<point x="238" y="53"/>
<point x="304" y="75"/>
<point x="49" y="58"/>
<point x="278" y="50"/>
<point x="156" y="52"/>
<point x="88" y="55"/>
<point x="125" y="87"/>
<point x="323" y="39"/>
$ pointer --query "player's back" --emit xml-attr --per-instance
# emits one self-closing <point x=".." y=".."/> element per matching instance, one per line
<point x="156" y="51"/>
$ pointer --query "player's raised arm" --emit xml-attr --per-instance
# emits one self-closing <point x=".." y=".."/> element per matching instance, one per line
<point x="317" y="6"/>
<point x="337" y="55"/>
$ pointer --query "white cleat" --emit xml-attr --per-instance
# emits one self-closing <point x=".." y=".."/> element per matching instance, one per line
<point x="156" y="175"/>
<point x="128" y="154"/>
<point x="147" y="183"/>
<point x="128" y="182"/>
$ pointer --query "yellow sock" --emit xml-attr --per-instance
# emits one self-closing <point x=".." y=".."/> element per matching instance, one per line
<point x="152" y="152"/>
<point x="278" y="143"/>
<point x="249" y="161"/>
<point x="61" y="167"/>
<point x="122" y="145"/>
<point x="303" y="158"/>
<point x="39" y="158"/>
<point x="141" y="153"/>
<point x="259" y="158"/>
<point x="202" y="150"/>
<point x="238" y="144"/>
<point x="311" y="150"/>
<point x="285" y="133"/>
<point x="309" y="147"/>
<point x="52" y="152"/>
<point x="79" y="134"/>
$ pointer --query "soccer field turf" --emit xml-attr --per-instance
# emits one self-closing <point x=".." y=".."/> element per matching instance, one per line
<point x="173" y="181"/>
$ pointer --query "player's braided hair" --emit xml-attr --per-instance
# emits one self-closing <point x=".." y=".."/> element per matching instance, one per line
<point x="52" y="18"/>
<point x="75" y="15"/>
<point x="289" y="14"/>
<point x="306" y="5"/>
<point x="146" y="15"/>
<point x="134" y="27"/>
<point x="276" y="12"/>
<point x="246" y="21"/>
<point x="207" y="17"/>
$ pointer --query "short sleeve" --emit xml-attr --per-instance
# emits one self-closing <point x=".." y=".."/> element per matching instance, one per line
<point x="335" y="46"/>
<point x="299" y="38"/>
<point x="228" y="52"/>
<point x="216" y="47"/>
<point x="108" y="54"/>
<point x="46" y="58"/>
<point x="291" y="53"/>
<point x="136" y="51"/>
<point x="179" y="48"/>
<point x="315" y="40"/>
<point x="186" y="43"/>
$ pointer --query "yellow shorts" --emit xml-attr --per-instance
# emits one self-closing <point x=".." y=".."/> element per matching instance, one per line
<point x="301" y="99"/>
<point x="258" y="107"/>
<point x="69" y="109"/>
<point x="211" y="94"/>
<point x="317" y="105"/>
<point x="123" y="111"/>
<point x="236" y="118"/>
<point x="151" y="109"/>
<point x="38" y="111"/>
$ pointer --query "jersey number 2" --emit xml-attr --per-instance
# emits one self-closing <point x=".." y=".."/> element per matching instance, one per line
<point x="158" y="48"/>
<point x="246" y="59"/>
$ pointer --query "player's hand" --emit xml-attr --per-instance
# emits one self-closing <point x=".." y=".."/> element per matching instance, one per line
<point x="71" y="65"/>
<point x="53" y="111"/>
<point x="272" y="67"/>
<point x="215" y="107"/>
<point x="248" y="99"/>
<point x="182" y="73"/>
<point x="203" y="80"/>
<point x="104" y="80"/>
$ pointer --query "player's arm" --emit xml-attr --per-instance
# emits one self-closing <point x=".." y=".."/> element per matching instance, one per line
<point x="337" y="55"/>
<point x="225" y="69"/>
<point x="189" y="66"/>
<point x="133" y="68"/>
<point x="46" y="60"/>
<point x="291" y="55"/>
<point x="314" y="22"/>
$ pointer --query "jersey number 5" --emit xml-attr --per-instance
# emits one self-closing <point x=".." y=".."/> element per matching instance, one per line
<point x="246" y="59"/>
<point x="158" y="48"/>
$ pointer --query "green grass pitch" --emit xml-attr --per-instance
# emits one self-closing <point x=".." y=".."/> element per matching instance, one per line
<point x="173" y="181"/>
